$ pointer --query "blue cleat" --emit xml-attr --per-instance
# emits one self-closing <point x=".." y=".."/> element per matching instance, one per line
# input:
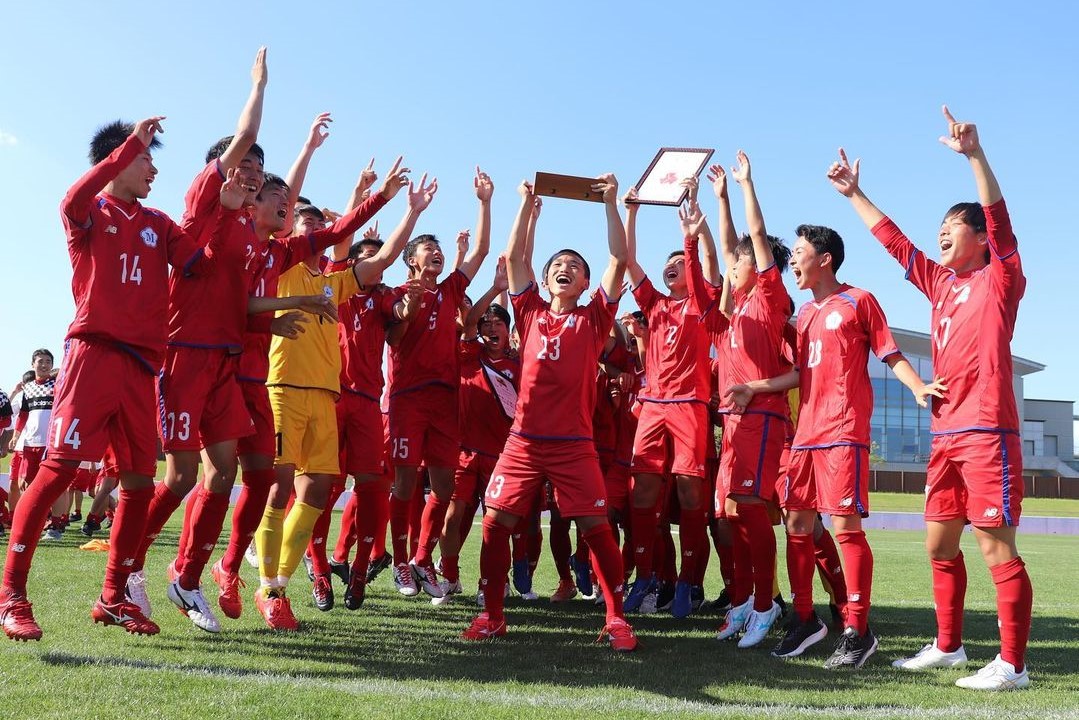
<point x="582" y="573"/>
<point x="637" y="592"/>
<point x="522" y="579"/>
<point x="682" y="605"/>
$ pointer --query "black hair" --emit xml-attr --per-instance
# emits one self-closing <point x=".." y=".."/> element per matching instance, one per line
<point x="970" y="213"/>
<point x="42" y="351"/>
<point x="499" y="312"/>
<point x="28" y="376"/>
<point x="410" y="247"/>
<point x="301" y="200"/>
<point x="218" y="149"/>
<point x="824" y="240"/>
<point x="567" y="251"/>
<point x="641" y="318"/>
<point x="111" y="136"/>
<point x="354" y="250"/>
<point x="271" y="181"/>
<point x="676" y="253"/>
<point x="780" y="252"/>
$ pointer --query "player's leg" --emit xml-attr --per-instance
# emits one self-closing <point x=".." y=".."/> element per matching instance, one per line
<point x="649" y="463"/>
<point x="561" y="549"/>
<point x="830" y="572"/>
<point x="441" y="447"/>
<point x="466" y="480"/>
<point x="371" y="499"/>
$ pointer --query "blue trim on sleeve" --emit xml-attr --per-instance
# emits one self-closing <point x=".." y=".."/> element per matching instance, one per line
<point x="849" y="298"/>
<point x="528" y="287"/>
<point x="910" y="264"/>
<point x="194" y="258"/>
<point x="887" y="355"/>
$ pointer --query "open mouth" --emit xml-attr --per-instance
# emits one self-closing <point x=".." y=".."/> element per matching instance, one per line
<point x="671" y="274"/>
<point x="945" y="245"/>
<point x="563" y="279"/>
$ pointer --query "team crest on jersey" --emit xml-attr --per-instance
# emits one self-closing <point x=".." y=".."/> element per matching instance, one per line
<point x="327" y="291"/>
<point x="571" y="321"/>
<point x="833" y="321"/>
<point x="370" y="304"/>
<point x="149" y="237"/>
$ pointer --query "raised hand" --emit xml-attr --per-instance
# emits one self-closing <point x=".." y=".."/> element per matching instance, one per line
<point x="629" y="200"/>
<point x="525" y="191"/>
<point x="693" y="185"/>
<point x="396" y="179"/>
<point x="691" y="219"/>
<point x="371" y="233"/>
<point x="718" y="177"/>
<point x="367" y="177"/>
<point x="607" y="186"/>
<point x="843" y="175"/>
<point x="320" y="130"/>
<point x="961" y="137"/>
<point x="501" y="282"/>
<point x="331" y="216"/>
<point x="259" y="74"/>
<point x="462" y="242"/>
<point x="937" y="388"/>
<point x="537" y="207"/>
<point x="289" y="325"/>
<point x="484" y="187"/>
<point x="324" y="307"/>
<point x="742" y="173"/>
<point x="419" y="198"/>
<point x="232" y="191"/>
<point x="629" y="322"/>
<point x="145" y="129"/>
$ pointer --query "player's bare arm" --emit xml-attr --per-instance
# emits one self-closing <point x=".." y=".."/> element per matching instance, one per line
<point x="845" y="177"/>
<point x="762" y="250"/>
<point x="607" y="186"/>
<point x="247" y="128"/>
<point x="530" y="235"/>
<point x="407" y="307"/>
<point x="498" y="286"/>
<point x="962" y="137"/>
<point x="289" y="325"/>
<point x="484" y="192"/>
<point x="633" y="268"/>
<point x="518" y="257"/>
<point x="728" y="237"/>
<point x="709" y="260"/>
<point x="463" y="239"/>
<point x="906" y="374"/>
<point x="319" y="305"/>
<point x="368" y="176"/>
<point x="741" y="395"/>
<point x="320" y="130"/>
<point x="369" y="269"/>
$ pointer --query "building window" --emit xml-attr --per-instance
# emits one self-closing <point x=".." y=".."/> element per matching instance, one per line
<point x="1050" y="446"/>
<point x="1034" y="433"/>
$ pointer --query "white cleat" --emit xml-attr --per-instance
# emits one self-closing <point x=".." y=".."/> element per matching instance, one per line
<point x="448" y="589"/>
<point x="759" y="625"/>
<point x="930" y="657"/>
<point x="251" y="555"/>
<point x="403" y="580"/>
<point x="193" y="604"/>
<point x="736" y="620"/>
<point x="136" y="592"/>
<point x="424" y="576"/>
<point x="997" y="675"/>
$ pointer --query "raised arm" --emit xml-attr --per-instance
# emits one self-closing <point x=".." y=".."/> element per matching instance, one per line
<point x="480" y="307"/>
<point x="360" y="192"/>
<point x="518" y="255"/>
<point x="530" y="237"/>
<point x="368" y="270"/>
<point x="762" y="251"/>
<point x="315" y="137"/>
<point x="607" y="185"/>
<point x="315" y="304"/>
<point x="845" y="179"/>
<point x="462" y="248"/>
<point x="633" y="268"/>
<point x="247" y="128"/>
<point x="963" y="138"/>
<point x="709" y="261"/>
<point x="702" y="294"/>
<point x="728" y="237"/>
<point x="484" y="191"/>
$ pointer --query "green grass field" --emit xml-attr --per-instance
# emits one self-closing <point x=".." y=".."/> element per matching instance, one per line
<point x="400" y="657"/>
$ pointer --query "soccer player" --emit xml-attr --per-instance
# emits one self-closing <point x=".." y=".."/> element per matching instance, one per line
<point x="34" y="409"/>
<point x="423" y="395"/>
<point x="120" y="253"/>
<point x="551" y="436"/>
<point x="975" y="463"/>
<point x="828" y="470"/>
<point x="304" y="384"/>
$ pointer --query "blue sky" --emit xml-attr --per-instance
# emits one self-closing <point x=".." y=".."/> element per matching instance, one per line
<point x="568" y="87"/>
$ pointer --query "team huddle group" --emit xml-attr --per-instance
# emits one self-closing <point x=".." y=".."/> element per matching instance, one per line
<point x="261" y="354"/>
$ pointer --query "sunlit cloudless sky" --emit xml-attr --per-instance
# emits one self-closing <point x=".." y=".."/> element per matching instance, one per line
<point x="568" y="87"/>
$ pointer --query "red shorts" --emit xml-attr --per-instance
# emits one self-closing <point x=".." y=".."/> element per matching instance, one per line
<point x="31" y="463"/>
<point x="671" y="438"/>
<point x="752" y="448"/>
<point x="85" y="478"/>
<point x="833" y="480"/>
<point x="15" y="467"/>
<point x="424" y="429"/>
<point x="616" y="479"/>
<point x="200" y="399"/>
<point x="105" y="400"/>
<point x="572" y="467"/>
<point x="977" y="476"/>
<point x="359" y="434"/>
<point x="473" y="471"/>
<point x="257" y="402"/>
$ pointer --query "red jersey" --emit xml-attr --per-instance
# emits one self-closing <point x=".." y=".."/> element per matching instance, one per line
<point x="361" y="331"/>
<point x="834" y="340"/>
<point x="427" y="353"/>
<point x="266" y="260"/>
<point x="485" y="425"/>
<point x="623" y="418"/>
<point x="973" y="319"/>
<point x="120" y="253"/>
<point x="559" y="354"/>
<point x="755" y="339"/>
<point x="676" y="360"/>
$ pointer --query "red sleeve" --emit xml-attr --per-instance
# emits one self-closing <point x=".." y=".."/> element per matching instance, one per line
<point x="774" y="292"/>
<point x="333" y="266"/>
<point x="703" y="294"/>
<point x="346" y="225"/>
<point x="387" y="302"/>
<point x="646" y="295"/>
<point x="78" y="203"/>
<point x="876" y="327"/>
<point x="468" y="349"/>
<point x="1004" y="252"/>
<point x="526" y="305"/>
<point x="202" y="198"/>
<point x="20" y="420"/>
<point x="922" y="272"/>
<point x="601" y="312"/>
<point x="186" y="252"/>
<point x="259" y="323"/>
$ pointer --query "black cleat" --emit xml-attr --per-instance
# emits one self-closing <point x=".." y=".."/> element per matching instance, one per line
<point x="340" y="569"/>
<point x="90" y="527"/>
<point x="852" y="650"/>
<point x="778" y="600"/>
<point x="354" y="594"/>
<point x="664" y="595"/>
<point x="377" y="566"/>
<point x="800" y="636"/>
<point x="718" y="606"/>
<point x="323" y="593"/>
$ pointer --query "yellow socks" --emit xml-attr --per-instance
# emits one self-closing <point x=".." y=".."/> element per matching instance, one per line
<point x="268" y="543"/>
<point x="297" y="533"/>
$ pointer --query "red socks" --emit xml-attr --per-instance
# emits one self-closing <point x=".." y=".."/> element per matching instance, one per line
<point x="207" y="518"/>
<point x="858" y="559"/>
<point x="185" y="532"/>
<point x="742" y="565"/>
<point x="693" y="538"/>
<point x="1015" y="598"/>
<point x="800" y="561"/>
<point x="830" y="568"/>
<point x="52" y="479"/>
<point x="316" y="547"/>
<point x="125" y="540"/>
<point x="434" y="517"/>
<point x="607" y="562"/>
<point x="346" y="538"/>
<point x="162" y="505"/>
<point x="560" y="548"/>
<point x="494" y="564"/>
<point x="762" y="551"/>
<point x="949" y="595"/>
<point x="399" y="511"/>
<point x="643" y="524"/>
<point x="368" y="511"/>
<point x="247" y="515"/>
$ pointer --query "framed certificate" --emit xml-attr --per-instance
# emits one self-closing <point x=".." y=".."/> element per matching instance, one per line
<point x="660" y="183"/>
<point x="570" y="187"/>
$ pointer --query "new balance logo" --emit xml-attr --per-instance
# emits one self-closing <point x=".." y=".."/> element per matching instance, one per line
<point x="111" y="230"/>
<point x="854" y="597"/>
<point x="18" y="547"/>
<point x="128" y="562"/>
<point x="369" y="539"/>
<point x="846" y="502"/>
<point x="318" y="541"/>
<point x="991" y="512"/>
<point x="601" y="503"/>
<point x="208" y="547"/>
<point x="747" y="483"/>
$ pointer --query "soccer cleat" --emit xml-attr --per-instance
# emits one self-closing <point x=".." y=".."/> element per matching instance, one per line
<point x="229" y="598"/>
<point x="90" y="527"/>
<point x="720" y="605"/>
<point x="997" y="675"/>
<point x="136" y="592"/>
<point x="650" y="604"/>
<point x="251" y="555"/>
<point x="438" y="567"/>
<point x="322" y="592"/>
<point x="17" y="619"/>
<point x="582" y="571"/>
<point x="637" y="592"/>
<point x="664" y="595"/>
<point x="735" y="621"/>
<point x="275" y="609"/>
<point x="309" y="566"/>
<point x="838" y="619"/>
<point x="696" y="597"/>
<point x="778" y="600"/>
<point x="522" y="578"/>
<point x="340" y="569"/>
<point x="483" y="629"/>
<point x="852" y="650"/>
<point x="800" y="636"/>
<point x="758" y="625"/>
<point x="931" y="657"/>
<point x="620" y="634"/>
<point x="424" y="576"/>
<point x="355" y="593"/>
<point x="565" y="591"/>
<point x="682" y="605"/>
<point x="402" y="578"/>
<point x="535" y="596"/>
<point x="52" y="533"/>
<point x="448" y="589"/>
<point x="126" y="615"/>
<point x="192" y="603"/>
<point x="376" y="566"/>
